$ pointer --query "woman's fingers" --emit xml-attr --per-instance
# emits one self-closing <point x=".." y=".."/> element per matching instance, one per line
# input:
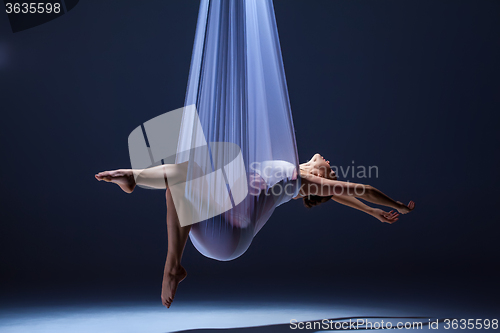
<point x="391" y="217"/>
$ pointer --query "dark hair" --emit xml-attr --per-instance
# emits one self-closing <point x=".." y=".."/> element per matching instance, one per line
<point x="313" y="200"/>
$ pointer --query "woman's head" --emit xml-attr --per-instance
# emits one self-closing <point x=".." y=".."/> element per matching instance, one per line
<point x="320" y="167"/>
<point x="314" y="200"/>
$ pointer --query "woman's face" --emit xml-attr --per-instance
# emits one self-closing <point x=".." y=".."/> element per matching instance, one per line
<point x="319" y="161"/>
<point x="322" y="166"/>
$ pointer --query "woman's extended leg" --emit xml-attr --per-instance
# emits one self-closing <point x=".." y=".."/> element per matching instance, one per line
<point x="156" y="177"/>
<point x="177" y="237"/>
<point x="159" y="177"/>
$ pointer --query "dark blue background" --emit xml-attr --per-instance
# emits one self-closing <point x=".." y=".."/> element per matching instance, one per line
<point x="409" y="86"/>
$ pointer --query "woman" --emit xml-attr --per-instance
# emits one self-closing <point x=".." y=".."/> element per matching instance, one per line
<point x="315" y="183"/>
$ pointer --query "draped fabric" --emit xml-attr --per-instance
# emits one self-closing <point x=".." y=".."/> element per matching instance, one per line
<point x="237" y="83"/>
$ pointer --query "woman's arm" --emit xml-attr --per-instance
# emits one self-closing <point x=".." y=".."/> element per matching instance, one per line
<point x="314" y="185"/>
<point x="389" y="217"/>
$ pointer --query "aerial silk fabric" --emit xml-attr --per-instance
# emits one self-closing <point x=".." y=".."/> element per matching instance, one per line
<point x="237" y="83"/>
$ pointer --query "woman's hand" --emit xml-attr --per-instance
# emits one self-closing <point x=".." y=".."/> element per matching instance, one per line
<point x="386" y="217"/>
<point x="403" y="209"/>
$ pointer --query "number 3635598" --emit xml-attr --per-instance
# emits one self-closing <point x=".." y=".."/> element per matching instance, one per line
<point x="32" y="8"/>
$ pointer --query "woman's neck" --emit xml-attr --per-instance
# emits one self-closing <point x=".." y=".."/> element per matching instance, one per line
<point x="307" y="168"/>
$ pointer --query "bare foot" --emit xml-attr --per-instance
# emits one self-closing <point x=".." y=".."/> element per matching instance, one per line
<point x="171" y="280"/>
<point x="403" y="209"/>
<point x="123" y="177"/>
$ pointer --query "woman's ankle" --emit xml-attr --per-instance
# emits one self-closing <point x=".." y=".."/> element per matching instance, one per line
<point x="173" y="267"/>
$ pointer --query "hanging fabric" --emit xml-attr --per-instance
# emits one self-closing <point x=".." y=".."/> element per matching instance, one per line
<point x="237" y="83"/>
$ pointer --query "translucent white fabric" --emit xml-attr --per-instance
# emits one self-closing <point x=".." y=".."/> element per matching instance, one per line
<point x="237" y="83"/>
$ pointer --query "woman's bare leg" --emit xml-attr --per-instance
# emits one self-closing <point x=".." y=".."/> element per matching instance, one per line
<point x="159" y="177"/>
<point x="174" y="273"/>
<point x="155" y="177"/>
